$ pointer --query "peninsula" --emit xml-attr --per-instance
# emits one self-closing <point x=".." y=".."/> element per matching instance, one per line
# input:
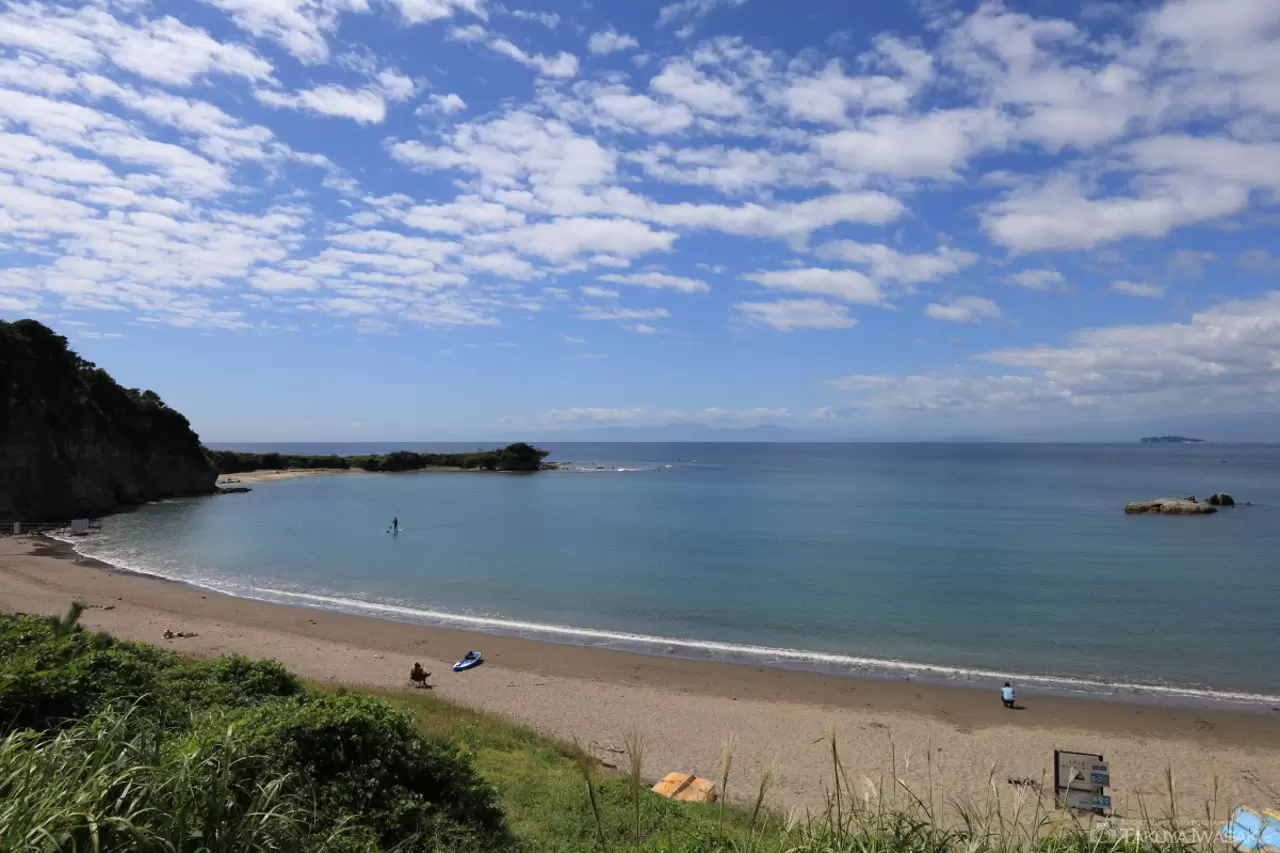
<point x="74" y="443"/>
<point x="1172" y="439"/>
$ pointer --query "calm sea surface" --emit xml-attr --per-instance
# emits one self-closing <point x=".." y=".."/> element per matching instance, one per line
<point x="947" y="561"/>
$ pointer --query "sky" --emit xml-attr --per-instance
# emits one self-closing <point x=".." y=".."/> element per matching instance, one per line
<point x="429" y="219"/>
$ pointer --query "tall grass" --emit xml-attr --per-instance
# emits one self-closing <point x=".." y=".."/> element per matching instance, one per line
<point x="113" y="784"/>
<point x="895" y="818"/>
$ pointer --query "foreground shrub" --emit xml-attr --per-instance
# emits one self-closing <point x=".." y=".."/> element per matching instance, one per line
<point x="355" y="755"/>
<point x="50" y="675"/>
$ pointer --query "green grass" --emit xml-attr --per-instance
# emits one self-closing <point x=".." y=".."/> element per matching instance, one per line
<point x="114" y="746"/>
<point x="541" y="787"/>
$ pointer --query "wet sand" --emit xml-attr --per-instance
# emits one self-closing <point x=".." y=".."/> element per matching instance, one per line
<point x="959" y="738"/>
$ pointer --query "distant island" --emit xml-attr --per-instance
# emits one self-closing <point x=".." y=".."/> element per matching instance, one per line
<point x="513" y="457"/>
<point x="1172" y="439"/>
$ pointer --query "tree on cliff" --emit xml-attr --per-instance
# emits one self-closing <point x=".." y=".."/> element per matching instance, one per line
<point x="73" y="442"/>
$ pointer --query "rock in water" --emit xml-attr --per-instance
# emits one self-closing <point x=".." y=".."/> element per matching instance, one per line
<point x="1221" y="499"/>
<point x="1169" y="506"/>
<point x="1191" y="498"/>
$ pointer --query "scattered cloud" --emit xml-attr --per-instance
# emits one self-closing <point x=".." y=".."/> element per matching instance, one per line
<point x="367" y="105"/>
<point x="1137" y="288"/>
<point x="787" y="315"/>
<point x="593" y="313"/>
<point x="447" y="104"/>
<point x="849" y="285"/>
<point x="964" y="309"/>
<point x="887" y="264"/>
<point x="611" y="41"/>
<point x="659" y="280"/>
<point x="691" y="9"/>
<point x="1039" y="279"/>
<point x="1258" y="260"/>
<point x="561" y="65"/>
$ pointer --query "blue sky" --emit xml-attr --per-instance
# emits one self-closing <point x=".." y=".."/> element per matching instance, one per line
<point x="417" y="219"/>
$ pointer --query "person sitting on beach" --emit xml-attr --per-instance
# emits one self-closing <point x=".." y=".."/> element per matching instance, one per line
<point x="1006" y="695"/>
<point x="418" y="675"/>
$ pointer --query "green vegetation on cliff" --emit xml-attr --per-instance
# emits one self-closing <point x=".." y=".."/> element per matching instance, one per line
<point x="73" y="442"/>
<point x="514" y="457"/>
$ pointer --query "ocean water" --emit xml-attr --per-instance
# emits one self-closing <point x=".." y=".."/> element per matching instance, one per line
<point x="945" y="561"/>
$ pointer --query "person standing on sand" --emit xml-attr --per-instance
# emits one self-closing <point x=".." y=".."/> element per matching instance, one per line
<point x="1006" y="695"/>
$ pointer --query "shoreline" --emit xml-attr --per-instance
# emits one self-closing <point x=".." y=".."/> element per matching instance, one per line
<point x="269" y="475"/>
<point x="814" y="662"/>
<point x="686" y="708"/>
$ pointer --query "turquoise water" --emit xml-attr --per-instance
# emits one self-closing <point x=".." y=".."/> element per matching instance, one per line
<point x="971" y="560"/>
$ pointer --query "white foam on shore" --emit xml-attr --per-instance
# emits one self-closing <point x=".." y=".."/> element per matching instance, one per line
<point x="825" y="662"/>
<point x="742" y="653"/>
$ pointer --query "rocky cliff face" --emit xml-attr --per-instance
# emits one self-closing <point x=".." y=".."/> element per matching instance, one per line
<point x="73" y="443"/>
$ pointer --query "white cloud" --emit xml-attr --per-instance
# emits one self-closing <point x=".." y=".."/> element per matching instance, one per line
<point x="685" y="9"/>
<point x="445" y="104"/>
<point x="942" y="393"/>
<point x="659" y="280"/>
<point x="425" y="11"/>
<point x="644" y="329"/>
<point x="1038" y="279"/>
<point x="730" y="170"/>
<point x="567" y="238"/>
<point x="849" y="285"/>
<point x="829" y="95"/>
<point x="1258" y="260"/>
<point x="593" y="313"/>
<point x="1135" y="288"/>
<point x="1231" y="344"/>
<point x="470" y="32"/>
<point x="964" y="309"/>
<point x="374" y="326"/>
<point x="367" y="105"/>
<point x="641" y="111"/>
<point x="593" y="292"/>
<point x="363" y="105"/>
<point x="789" y="314"/>
<point x="300" y="26"/>
<point x="611" y="41"/>
<point x="561" y="65"/>
<point x="789" y="221"/>
<point x="933" y="145"/>
<point x="164" y="50"/>
<point x="550" y="20"/>
<point x="1060" y="216"/>
<point x="277" y="281"/>
<point x="465" y="214"/>
<point x="888" y="264"/>
<point x="684" y="82"/>
<point x="519" y="147"/>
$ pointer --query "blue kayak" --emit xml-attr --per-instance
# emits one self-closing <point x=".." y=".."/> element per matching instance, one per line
<point x="471" y="659"/>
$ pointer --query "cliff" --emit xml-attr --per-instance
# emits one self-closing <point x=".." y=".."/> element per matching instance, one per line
<point x="73" y="443"/>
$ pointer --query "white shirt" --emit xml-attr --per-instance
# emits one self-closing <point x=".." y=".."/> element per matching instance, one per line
<point x="1006" y="693"/>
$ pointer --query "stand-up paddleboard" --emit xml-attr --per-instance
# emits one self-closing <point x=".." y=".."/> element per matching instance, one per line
<point x="470" y="660"/>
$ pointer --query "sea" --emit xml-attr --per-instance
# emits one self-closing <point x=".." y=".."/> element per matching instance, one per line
<point x="958" y="563"/>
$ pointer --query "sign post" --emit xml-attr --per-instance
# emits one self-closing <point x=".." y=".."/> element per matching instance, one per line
<point x="1080" y="780"/>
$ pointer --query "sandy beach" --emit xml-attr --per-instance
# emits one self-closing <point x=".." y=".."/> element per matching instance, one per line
<point x="959" y="739"/>
<point x="267" y="476"/>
